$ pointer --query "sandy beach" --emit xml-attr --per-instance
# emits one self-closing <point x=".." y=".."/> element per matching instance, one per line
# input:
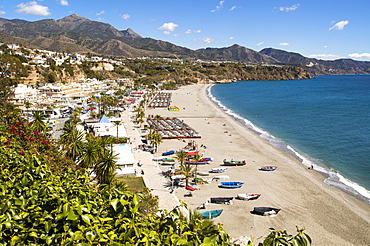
<point x="330" y="216"/>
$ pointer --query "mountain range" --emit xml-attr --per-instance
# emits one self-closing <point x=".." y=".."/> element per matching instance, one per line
<point x="75" y="33"/>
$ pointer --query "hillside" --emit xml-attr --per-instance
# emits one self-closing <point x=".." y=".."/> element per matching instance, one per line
<point x="75" y="33"/>
<point x="316" y="66"/>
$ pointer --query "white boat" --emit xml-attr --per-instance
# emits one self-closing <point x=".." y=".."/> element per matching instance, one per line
<point x="218" y="170"/>
<point x="180" y="176"/>
<point x="221" y="177"/>
<point x="202" y="174"/>
<point x="248" y="197"/>
<point x="167" y="162"/>
<point x="159" y="158"/>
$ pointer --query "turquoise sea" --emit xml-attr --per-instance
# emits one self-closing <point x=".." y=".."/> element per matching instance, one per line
<point x="324" y="122"/>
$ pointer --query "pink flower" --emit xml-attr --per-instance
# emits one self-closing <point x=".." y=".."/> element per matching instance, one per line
<point x="36" y="132"/>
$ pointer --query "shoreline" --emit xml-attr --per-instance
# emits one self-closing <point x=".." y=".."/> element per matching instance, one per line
<point x="305" y="200"/>
<point x="331" y="176"/>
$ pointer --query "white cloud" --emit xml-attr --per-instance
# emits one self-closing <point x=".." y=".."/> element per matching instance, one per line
<point x="32" y="8"/>
<point x="232" y="8"/>
<point x="177" y="35"/>
<point x="284" y="44"/>
<point x="218" y="7"/>
<point x="100" y="19"/>
<point x="63" y="2"/>
<point x="189" y="31"/>
<point x="126" y="16"/>
<point x="231" y="38"/>
<point x="360" y="56"/>
<point x="339" y="25"/>
<point x="169" y="27"/>
<point x="326" y="56"/>
<point x="207" y="40"/>
<point x="101" y="12"/>
<point x="260" y="43"/>
<point x="287" y="9"/>
<point x="2" y="12"/>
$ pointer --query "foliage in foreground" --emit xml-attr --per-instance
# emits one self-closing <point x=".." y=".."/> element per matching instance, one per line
<point x="39" y="207"/>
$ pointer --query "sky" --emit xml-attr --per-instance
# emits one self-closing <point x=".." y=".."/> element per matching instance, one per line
<point x="323" y="29"/>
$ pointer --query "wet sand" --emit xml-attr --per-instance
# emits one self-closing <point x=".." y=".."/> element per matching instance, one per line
<point x="330" y="216"/>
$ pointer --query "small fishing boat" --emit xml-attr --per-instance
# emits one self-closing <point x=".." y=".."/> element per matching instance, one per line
<point x="218" y="170"/>
<point x="221" y="177"/>
<point x="231" y="185"/>
<point x="168" y="159"/>
<point x="234" y="163"/>
<point x="222" y="200"/>
<point x="211" y="214"/>
<point x="190" y="188"/>
<point x="247" y="196"/>
<point x="196" y="163"/>
<point x="192" y="152"/>
<point x="171" y="152"/>
<point x="203" y="174"/>
<point x="268" y="168"/>
<point x="265" y="211"/>
<point x="167" y="162"/>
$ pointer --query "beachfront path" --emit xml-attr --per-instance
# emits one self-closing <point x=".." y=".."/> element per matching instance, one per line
<point x="153" y="179"/>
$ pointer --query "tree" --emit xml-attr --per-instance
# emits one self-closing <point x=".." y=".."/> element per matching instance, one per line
<point x="196" y="159"/>
<point x="106" y="166"/>
<point x="73" y="144"/>
<point x="11" y="66"/>
<point x="90" y="153"/>
<point x="117" y="123"/>
<point x="187" y="170"/>
<point x="181" y="157"/>
<point x="38" y="123"/>
<point x="156" y="139"/>
<point x="276" y="238"/>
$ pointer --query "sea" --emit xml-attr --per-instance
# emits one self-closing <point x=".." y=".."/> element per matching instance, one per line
<point x="324" y="122"/>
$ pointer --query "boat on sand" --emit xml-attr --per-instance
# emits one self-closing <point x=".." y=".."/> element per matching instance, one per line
<point x="211" y="214"/>
<point x="265" y="211"/>
<point x="231" y="185"/>
<point x="248" y="197"/>
<point x="218" y="170"/>
<point x="268" y="168"/>
<point x="221" y="200"/>
<point x="234" y="163"/>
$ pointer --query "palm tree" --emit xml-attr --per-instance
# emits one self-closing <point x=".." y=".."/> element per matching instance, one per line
<point x="91" y="152"/>
<point x="156" y="139"/>
<point x="117" y="123"/>
<point x="196" y="159"/>
<point x="38" y="123"/>
<point x="187" y="170"/>
<point x="181" y="157"/>
<point x="106" y="166"/>
<point x="73" y="143"/>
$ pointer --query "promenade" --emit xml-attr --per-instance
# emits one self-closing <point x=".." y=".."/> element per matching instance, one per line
<point x="153" y="178"/>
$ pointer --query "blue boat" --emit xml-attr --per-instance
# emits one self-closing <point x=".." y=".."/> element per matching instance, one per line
<point x="168" y="153"/>
<point x="268" y="168"/>
<point x="231" y="185"/>
<point x="211" y="214"/>
<point x="196" y="163"/>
